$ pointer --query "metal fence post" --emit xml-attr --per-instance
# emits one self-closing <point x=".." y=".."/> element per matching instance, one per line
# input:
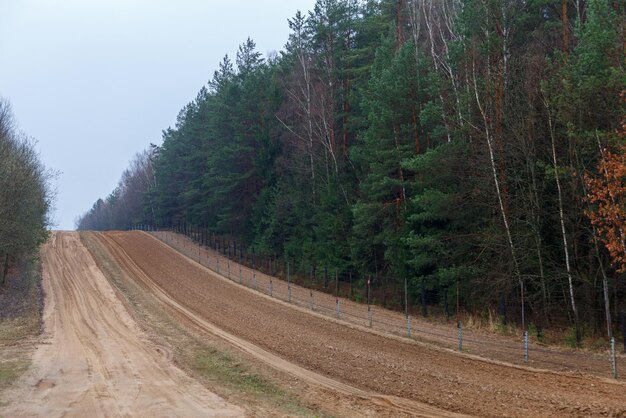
<point x="526" y="347"/>
<point x="423" y="299"/>
<point x="271" y="279"/>
<point x="623" y="321"/>
<point x="406" y="298"/>
<point x="240" y="274"/>
<point x="613" y="360"/>
<point x="337" y="293"/>
<point x="289" y="281"/>
<point x="460" y="337"/>
<point x="312" y="302"/>
<point x="217" y="264"/>
<point x="369" y="307"/>
<point x="408" y="325"/>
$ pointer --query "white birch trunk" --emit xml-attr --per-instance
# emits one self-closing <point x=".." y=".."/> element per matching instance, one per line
<point x="561" y="216"/>
<point x="496" y="180"/>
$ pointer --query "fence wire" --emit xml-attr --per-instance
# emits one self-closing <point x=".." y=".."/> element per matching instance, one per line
<point x="410" y="326"/>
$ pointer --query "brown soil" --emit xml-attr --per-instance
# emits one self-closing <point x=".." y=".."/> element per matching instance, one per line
<point x="93" y="360"/>
<point x="475" y="341"/>
<point x="261" y="390"/>
<point x="421" y="379"/>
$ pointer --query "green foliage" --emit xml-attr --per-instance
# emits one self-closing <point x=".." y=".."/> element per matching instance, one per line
<point x="25" y="195"/>
<point x="573" y="337"/>
<point x="373" y="143"/>
<point x="536" y="332"/>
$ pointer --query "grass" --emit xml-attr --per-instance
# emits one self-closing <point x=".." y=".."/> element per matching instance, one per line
<point x="10" y="371"/>
<point x="490" y="321"/>
<point x="16" y="329"/>
<point x="207" y="360"/>
<point x="223" y="367"/>
<point x="21" y="304"/>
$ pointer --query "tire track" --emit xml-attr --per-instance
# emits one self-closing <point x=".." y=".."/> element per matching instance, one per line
<point x="407" y="406"/>
<point x="94" y="360"/>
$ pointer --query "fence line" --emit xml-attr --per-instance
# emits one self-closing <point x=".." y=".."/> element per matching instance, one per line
<point x="381" y="319"/>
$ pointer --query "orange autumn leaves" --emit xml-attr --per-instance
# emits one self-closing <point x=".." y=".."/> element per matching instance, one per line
<point x="607" y="195"/>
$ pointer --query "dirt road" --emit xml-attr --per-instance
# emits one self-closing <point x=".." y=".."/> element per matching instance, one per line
<point x="352" y="355"/>
<point x="94" y="361"/>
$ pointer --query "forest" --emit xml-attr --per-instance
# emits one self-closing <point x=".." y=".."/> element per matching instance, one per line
<point x="26" y="195"/>
<point x="474" y="148"/>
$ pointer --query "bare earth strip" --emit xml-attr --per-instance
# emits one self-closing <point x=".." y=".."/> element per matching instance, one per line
<point x="94" y="361"/>
<point x="393" y="406"/>
<point x="402" y="370"/>
<point x="483" y="344"/>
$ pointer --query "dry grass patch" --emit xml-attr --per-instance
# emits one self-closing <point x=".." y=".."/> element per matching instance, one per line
<point x="21" y="304"/>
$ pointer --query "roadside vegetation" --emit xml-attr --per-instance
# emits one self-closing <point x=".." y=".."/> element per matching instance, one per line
<point x="25" y="199"/>
<point x="473" y="148"/>
<point x="21" y="305"/>
<point x="25" y="195"/>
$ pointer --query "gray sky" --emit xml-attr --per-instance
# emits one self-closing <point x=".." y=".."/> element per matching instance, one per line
<point x="95" y="81"/>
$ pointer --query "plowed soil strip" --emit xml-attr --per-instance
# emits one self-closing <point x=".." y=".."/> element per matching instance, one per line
<point x="359" y="358"/>
<point x="393" y="404"/>
<point x="94" y="360"/>
<point x="477" y="342"/>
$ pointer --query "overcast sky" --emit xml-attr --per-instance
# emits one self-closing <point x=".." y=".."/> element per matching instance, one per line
<point x="95" y="81"/>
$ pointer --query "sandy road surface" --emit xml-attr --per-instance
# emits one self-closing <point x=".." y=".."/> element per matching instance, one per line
<point x="94" y="361"/>
<point x="359" y="358"/>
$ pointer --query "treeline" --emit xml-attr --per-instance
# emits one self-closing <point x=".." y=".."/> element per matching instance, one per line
<point x="458" y="143"/>
<point x="128" y="205"/>
<point x="25" y="195"/>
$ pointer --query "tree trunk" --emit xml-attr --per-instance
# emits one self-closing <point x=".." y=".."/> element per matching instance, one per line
<point x="605" y="281"/>
<point x="346" y="102"/>
<point x="435" y="58"/>
<point x="562" y="221"/>
<point x="496" y="181"/>
<point x="399" y="24"/>
<point x="534" y="195"/>
<point x="5" y="271"/>
<point x="400" y="170"/>
<point x="424" y="308"/>
<point x="415" y="131"/>
<point x="565" y="27"/>
<point x="622" y="234"/>
<point x="605" y="290"/>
